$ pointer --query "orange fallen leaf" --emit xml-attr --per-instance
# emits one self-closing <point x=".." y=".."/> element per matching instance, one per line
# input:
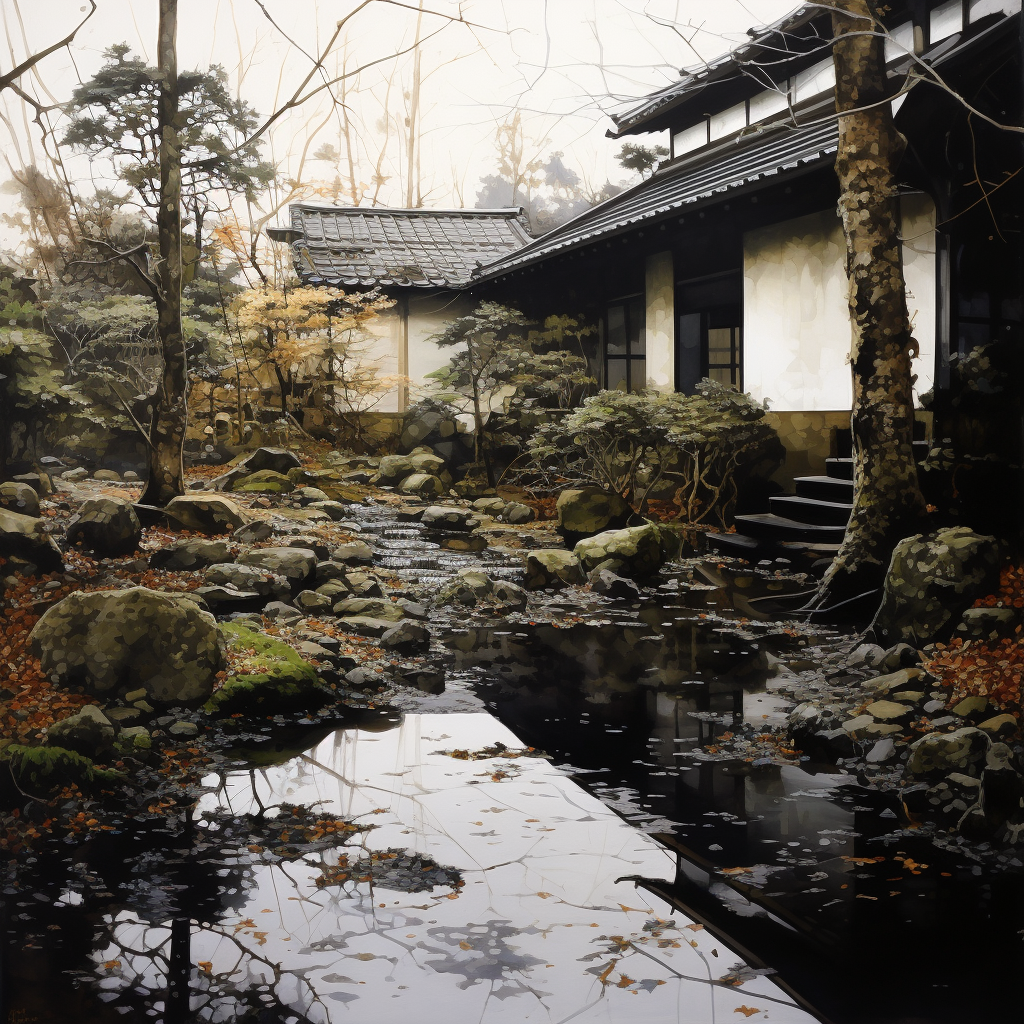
<point x="747" y="1011"/>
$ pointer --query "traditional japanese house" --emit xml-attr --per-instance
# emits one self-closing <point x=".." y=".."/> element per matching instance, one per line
<point x="423" y="259"/>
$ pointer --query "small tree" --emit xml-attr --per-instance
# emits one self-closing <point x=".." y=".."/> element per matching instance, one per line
<point x="638" y="445"/>
<point x="302" y="332"/>
<point x="479" y="371"/>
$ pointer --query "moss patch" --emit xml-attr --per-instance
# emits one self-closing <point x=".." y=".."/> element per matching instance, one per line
<point x="45" y="771"/>
<point x="269" y="678"/>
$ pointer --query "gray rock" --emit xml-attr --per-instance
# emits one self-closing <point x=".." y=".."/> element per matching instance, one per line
<point x="336" y="510"/>
<point x="191" y="553"/>
<point x="107" y="527"/>
<point x="393" y="469"/>
<point x="636" y="551"/>
<point x="357" y="552"/>
<point x="311" y="601"/>
<point x="585" y="511"/>
<point x="107" y="474"/>
<point x="250" y="578"/>
<point x="406" y="637"/>
<point x="425" y="485"/>
<point x="106" y="639"/>
<point x="489" y="506"/>
<point x="362" y="584"/>
<point x="295" y="564"/>
<point x="89" y="733"/>
<point x="606" y="582"/>
<point x="308" y="541"/>
<point x="130" y="476"/>
<point x="552" y="567"/>
<point x="508" y="596"/>
<point x="282" y="612"/>
<point x="365" y="625"/>
<point x="448" y="517"/>
<point x="253" y="533"/>
<point x="75" y="475"/>
<point x="183" y="730"/>
<point x="932" y="579"/>
<point x="19" y="497"/>
<point x="206" y="513"/>
<point x="368" y="607"/>
<point x="517" y="513"/>
<point x="468" y="587"/>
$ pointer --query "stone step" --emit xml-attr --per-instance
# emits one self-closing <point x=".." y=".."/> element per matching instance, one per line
<point x="825" y="488"/>
<point x="839" y="469"/>
<point x="810" y="510"/>
<point x="766" y="526"/>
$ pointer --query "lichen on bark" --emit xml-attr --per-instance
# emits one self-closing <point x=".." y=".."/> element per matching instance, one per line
<point x="888" y="504"/>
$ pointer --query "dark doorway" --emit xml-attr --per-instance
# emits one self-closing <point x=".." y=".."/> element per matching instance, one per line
<point x="625" y="347"/>
<point x="709" y="331"/>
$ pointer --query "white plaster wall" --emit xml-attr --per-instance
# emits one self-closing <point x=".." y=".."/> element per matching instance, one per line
<point x="383" y="350"/>
<point x="427" y="316"/>
<point x="796" y="342"/>
<point x="659" y="324"/>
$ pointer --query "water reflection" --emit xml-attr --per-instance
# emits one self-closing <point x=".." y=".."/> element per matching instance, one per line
<point x="536" y="928"/>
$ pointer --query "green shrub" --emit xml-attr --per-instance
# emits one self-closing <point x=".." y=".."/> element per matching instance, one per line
<point x="694" y="448"/>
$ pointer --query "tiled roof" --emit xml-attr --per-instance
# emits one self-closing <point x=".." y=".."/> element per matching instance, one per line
<point x="678" y="186"/>
<point x="366" y="247"/>
<point x="777" y="38"/>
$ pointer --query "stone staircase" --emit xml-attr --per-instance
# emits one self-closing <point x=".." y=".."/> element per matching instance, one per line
<point x="805" y="528"/>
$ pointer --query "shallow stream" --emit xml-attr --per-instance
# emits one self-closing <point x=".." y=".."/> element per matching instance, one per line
<point x="621" y="878"/>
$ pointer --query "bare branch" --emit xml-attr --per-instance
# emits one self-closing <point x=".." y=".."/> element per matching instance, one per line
<point x="30" y="62"/>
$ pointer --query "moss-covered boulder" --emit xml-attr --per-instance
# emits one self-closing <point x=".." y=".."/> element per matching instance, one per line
<point x="206" y="513"/>
<point x="105" y="526"/>
<point x="25" y="537"/>
<point x="110" y="639"/>
<point x="280" y="460"/>
<point x="634" y="552"/>
<point x="393" y="469"/>
<point x="932" y="579"/>
<point x="266" y="481"/>
<point x="19" y="497"/>
<point x="44" y="771"/>
<point x="268" y="677"/>
<point x="89" y="732"/>
<point x="586" y="511"/>
<point x="552" y="567"/>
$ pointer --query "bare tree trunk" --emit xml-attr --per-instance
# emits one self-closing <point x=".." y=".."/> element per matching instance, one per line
<point x="170" y="411"/>
<point x="412" y="187"/>
<point x="888" y="504"/>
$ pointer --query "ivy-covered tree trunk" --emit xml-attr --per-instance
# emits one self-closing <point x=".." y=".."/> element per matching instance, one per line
<point x="170" y="410"/>
<point x="888" y="504"/>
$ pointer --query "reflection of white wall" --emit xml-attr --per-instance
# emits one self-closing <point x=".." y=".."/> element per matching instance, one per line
<point x="796" y="340"/>
<point x="918" y="232"/>
<point x="658" y="323"/>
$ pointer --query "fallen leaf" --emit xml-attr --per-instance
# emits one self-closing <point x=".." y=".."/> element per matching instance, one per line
<point x="747" y="1011"/>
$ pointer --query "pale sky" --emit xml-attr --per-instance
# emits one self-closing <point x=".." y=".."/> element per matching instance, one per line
<point x="563" y="63"/>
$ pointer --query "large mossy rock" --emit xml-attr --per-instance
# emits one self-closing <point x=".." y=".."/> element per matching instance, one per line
<point x="206" y="513"/>
<point x="247" y="578"/>
<point x="126" y="639"/>
<point x="634" y="552"/>
<point x="105" y="526"/>
<point x="25" y="537"/>
<point x="552" y="567"/>
<point x="932" y="579"/>
<point x="586" y="511"/>
<point x="44" y="772"/>
<point x="264" y="481"/>
<point x="268" y="678"/>
<point x="279" y="460"/>
<point x="19" y="497"/>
